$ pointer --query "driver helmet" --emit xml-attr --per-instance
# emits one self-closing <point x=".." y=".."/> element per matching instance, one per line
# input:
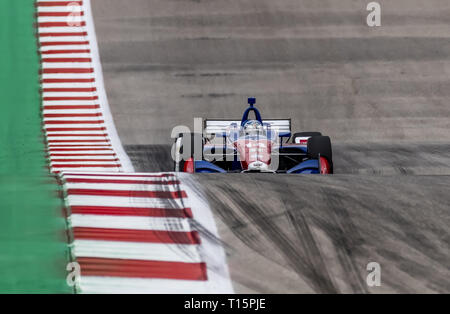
<point x="252" y="127"/>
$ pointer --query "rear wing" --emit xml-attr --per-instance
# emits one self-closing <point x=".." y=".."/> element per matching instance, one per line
<point x="219" y="127"/>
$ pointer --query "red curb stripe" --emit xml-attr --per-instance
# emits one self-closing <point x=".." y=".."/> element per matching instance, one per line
<point x="103" y="181"/>
<point x="130" y="235"/>
<point x="61" y="24"/>
<point x="74" y="122"/>
<point x="121" y="175"/>
<point x="67" y="70"/>
<point x="70" y="98"/>
<point x="77" y="135"/>
<point x="62" y="60"/>
<point x="86" y="166"/>
<point x="64" y="115"/>
<point x="77" y="145"/>
<point x="69" y="107"/>
<point x="84" y="160"/>
<point x="128" y="193"/>
<point x="77" y="149"/>
<point x="63" y="34"/>
<point x="50" y="81"/>
<point x="81" y="155"/>
<point x="44" y="14"/>
<point x="74" y="129"/>
<point x="57" y="3"/>
<point x="78" y="141"/>
<point x="133" y="211"/>
<point x="92" y="266"/>
<point x="69" y="90"/>
<point x="70" y="51"/>
<point x="63" y="43"/>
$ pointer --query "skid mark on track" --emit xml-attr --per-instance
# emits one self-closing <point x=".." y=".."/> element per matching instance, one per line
<point x="347" y="247"/>
<point x="327" y="229"/>
<point x="300" y="253"/>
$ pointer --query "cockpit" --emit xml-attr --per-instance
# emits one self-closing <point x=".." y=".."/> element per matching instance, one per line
<point x="252" y="128"/>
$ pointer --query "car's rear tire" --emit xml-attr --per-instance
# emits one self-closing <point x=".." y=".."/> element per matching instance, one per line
<point x="305" y="134"/>
<point x="320" y="146"/>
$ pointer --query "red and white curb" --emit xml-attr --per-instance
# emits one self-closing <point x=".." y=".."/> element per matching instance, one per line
<point x="130" y="232"/>
<point x="79" y="127"/>
<point x="141" y="233"/>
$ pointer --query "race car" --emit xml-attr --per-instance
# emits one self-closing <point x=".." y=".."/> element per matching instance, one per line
<point x="252" y="145"/>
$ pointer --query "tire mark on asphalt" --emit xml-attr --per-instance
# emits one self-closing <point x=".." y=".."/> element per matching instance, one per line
<point x="312" y="256"/>
<point x="292" y="251"/>
<point x="347" y="246"/>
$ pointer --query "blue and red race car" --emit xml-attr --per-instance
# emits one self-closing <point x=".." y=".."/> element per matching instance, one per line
<point x="252" y="145"/>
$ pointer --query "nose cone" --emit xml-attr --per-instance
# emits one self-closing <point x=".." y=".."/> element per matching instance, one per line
<point x="258" y="166"/>
<point x="251" y="151"/>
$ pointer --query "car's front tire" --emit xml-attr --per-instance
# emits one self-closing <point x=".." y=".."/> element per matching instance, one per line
<point x="194" y="143"/>
<point x="320" y="146"/>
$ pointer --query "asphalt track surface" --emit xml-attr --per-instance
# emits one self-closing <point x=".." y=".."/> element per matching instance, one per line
<point x="380" y="93"/>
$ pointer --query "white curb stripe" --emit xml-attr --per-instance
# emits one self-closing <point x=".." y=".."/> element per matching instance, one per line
<point x="130" y="222"/>
<point x="116" y="285"/>
<point x="81" y="200"/>
<point x="137" y="251"/>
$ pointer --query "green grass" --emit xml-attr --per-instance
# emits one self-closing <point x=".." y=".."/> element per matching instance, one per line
<point x="33" y="249"/>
